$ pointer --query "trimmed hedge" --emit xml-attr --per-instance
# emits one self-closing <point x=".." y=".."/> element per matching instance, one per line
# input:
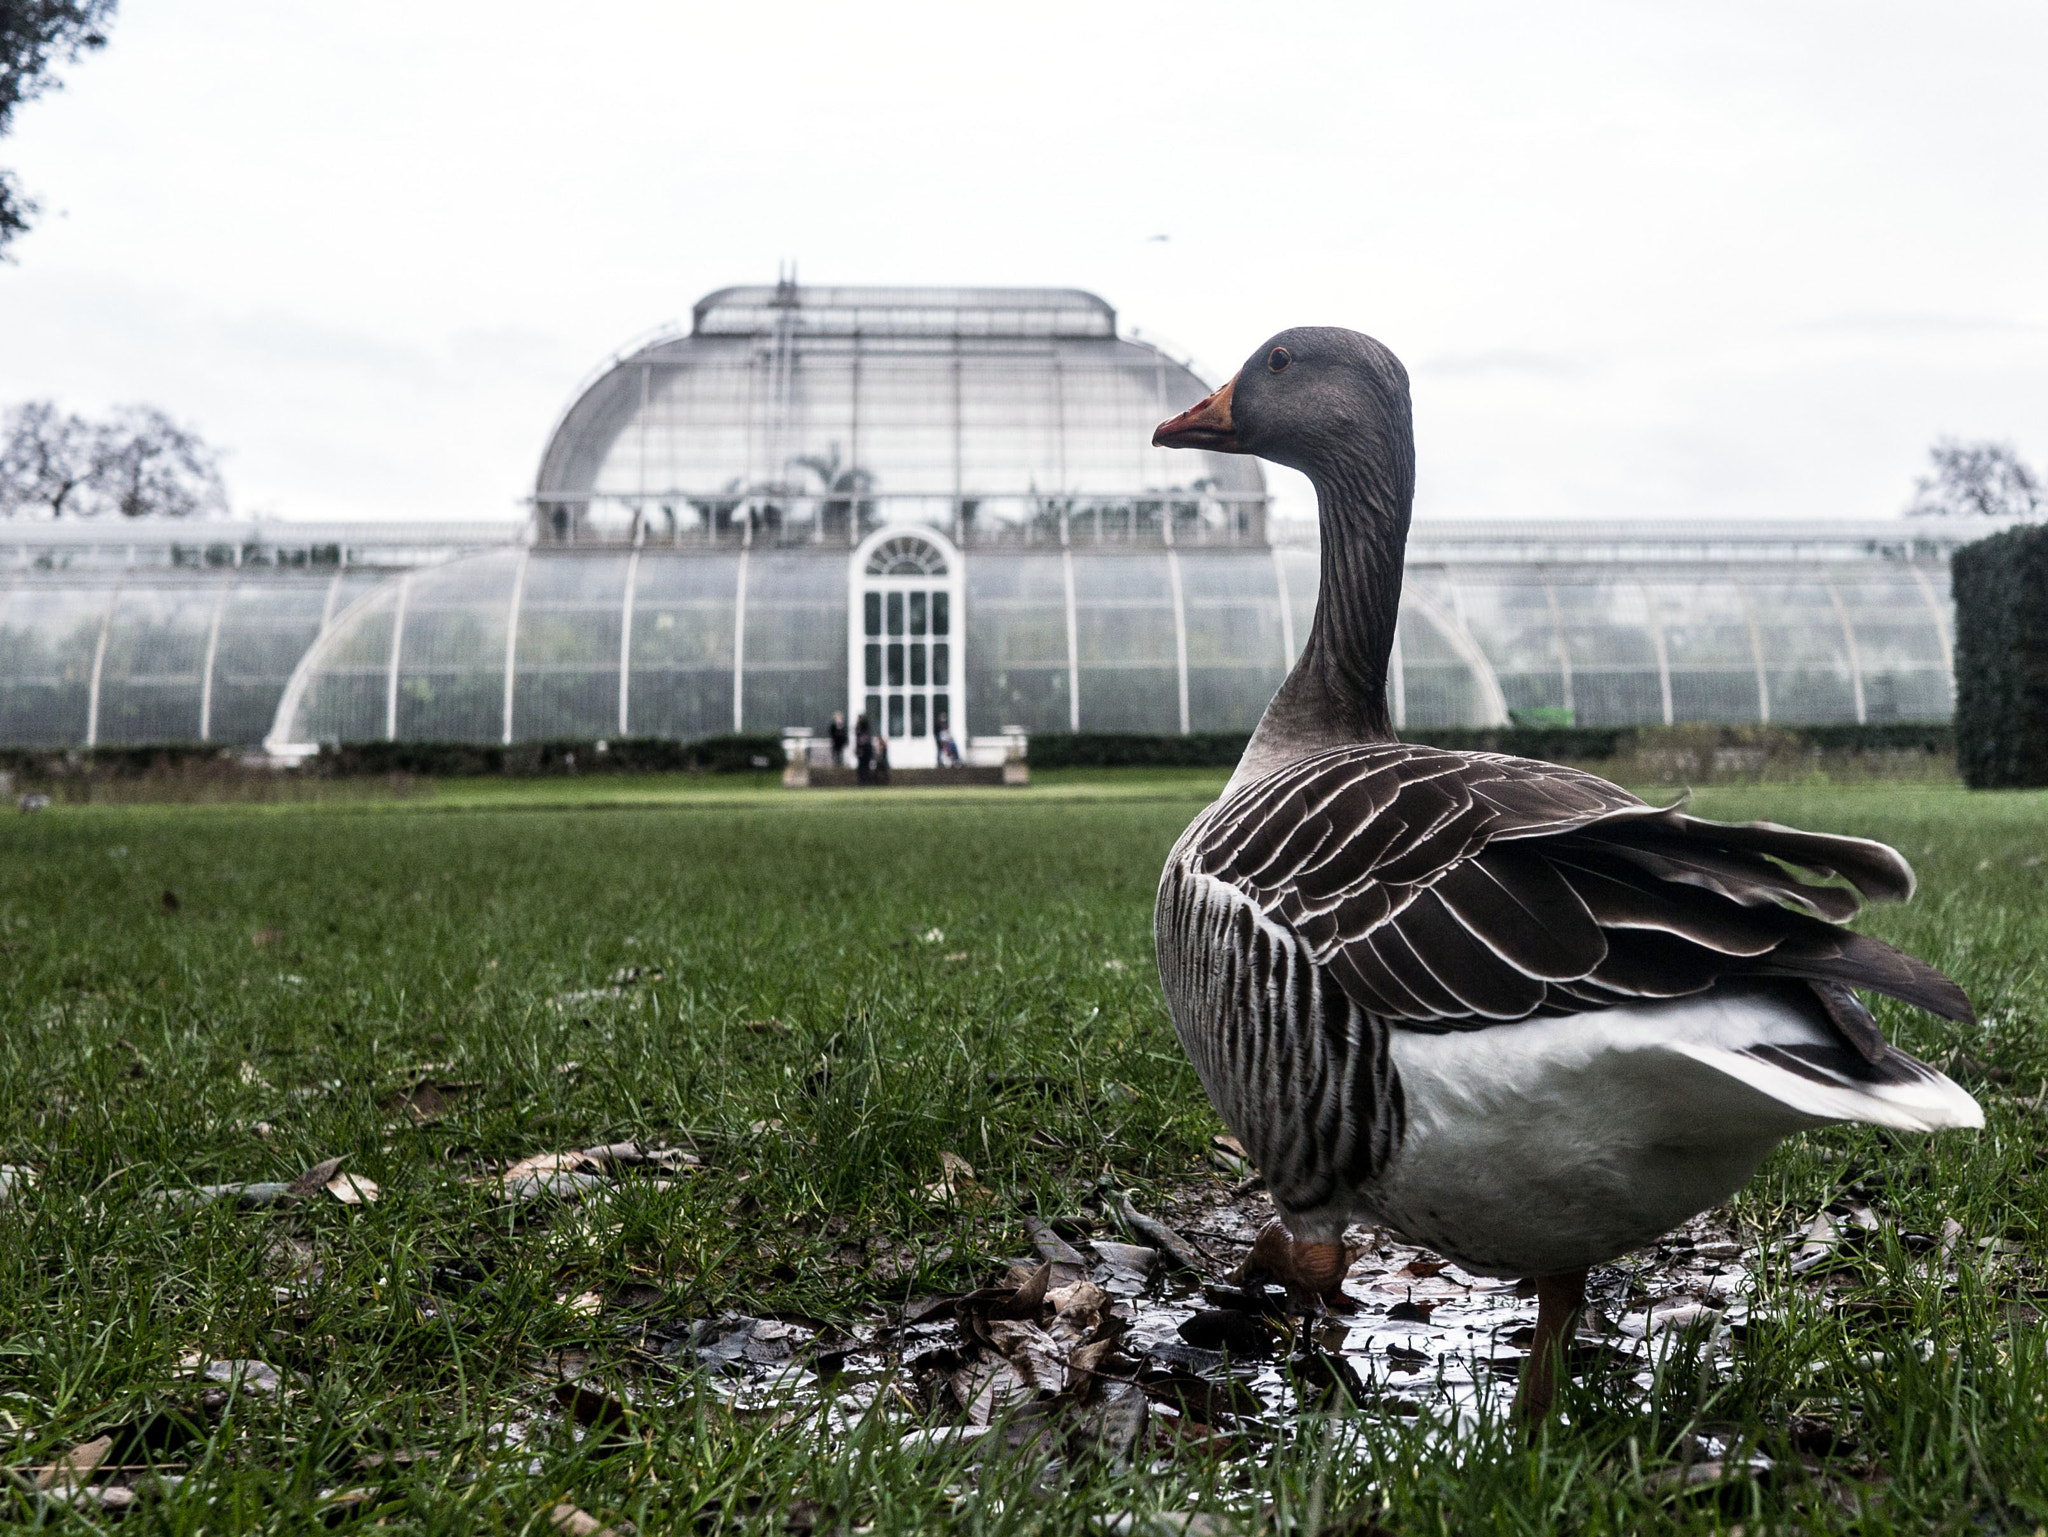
<point x="1123" y="749"/>
<point x="623" y="755"/>
<point x="1556" y="744"/>
<point x="2001" y="596"/>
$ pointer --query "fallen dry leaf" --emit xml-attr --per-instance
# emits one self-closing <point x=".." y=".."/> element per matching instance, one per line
<point x="575" y="1162"/>
<point x="582" y="1302"/>
<point x="955" y="1181"/>
<point x="263" y="939"/>
<point x="766" y="1027"/>
<point x="313" y="1179"/>
<point x="14" y="1179"/>
<point x="251" y="1376"/>
<point x="1158" y="1234"/>
<point x="574" y="1522"/>
<point x="76" y="1465"/>
<point x="353" y="1189"/>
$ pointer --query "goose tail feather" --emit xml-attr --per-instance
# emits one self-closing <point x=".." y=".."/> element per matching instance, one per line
<point x="1832" y="1082"/>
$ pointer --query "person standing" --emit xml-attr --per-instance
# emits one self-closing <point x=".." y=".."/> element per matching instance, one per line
<point x="881" y="759"/>
<point x="863" y="751"/>
<point x="838" y="736"/>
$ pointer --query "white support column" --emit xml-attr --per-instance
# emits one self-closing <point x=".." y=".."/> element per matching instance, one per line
<point x="1564" y="654"/>
<point x="397" y="646"/>
<point x="1397" y="681"/>
<point x="1073" y="645"/>
<point x="99" y="666"/>
<point x="1180" y="634"/>
<point x="512" y="641"/>
<point x="1940" y="616"/>
<point x="739" y="648"/>
<point x="333" y="592"/>
<point x="1657" y="642"/>
<point x="1848" y="640"/>
<point x="1286" y="612"/>
<point x="1756" y="651"/>
<point x="220" y="607"/>
<point x="626" y="638"/>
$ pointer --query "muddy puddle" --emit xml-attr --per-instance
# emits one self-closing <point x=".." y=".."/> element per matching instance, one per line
<point x="1099" y="1342"/>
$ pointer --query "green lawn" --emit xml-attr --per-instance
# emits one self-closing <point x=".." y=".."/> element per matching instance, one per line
<point x="851" y="985"/>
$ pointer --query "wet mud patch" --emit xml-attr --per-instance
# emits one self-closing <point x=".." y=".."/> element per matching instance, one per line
<point x="1132" y="1333"/>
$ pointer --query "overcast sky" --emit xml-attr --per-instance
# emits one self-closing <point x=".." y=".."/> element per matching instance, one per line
<point x="1675" y="260"/>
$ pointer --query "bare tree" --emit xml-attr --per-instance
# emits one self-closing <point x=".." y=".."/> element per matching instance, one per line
<point x="147" y="466"/>
<point x="1978" y="479"/>
<point x="35" y="36"/>
<point x="137" y="464"/>
<point x="46" y="461"/>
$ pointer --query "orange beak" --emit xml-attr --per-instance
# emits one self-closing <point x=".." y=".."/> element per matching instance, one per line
<point x="1205" y="424"/>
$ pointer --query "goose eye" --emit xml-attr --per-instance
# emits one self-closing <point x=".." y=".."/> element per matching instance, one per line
<point x="1278" y="359"/>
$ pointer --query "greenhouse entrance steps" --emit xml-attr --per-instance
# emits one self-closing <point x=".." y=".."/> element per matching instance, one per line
<point x="808" y="776"/>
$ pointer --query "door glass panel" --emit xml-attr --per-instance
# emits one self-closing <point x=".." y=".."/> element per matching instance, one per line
<point x="941" y="602"/>
<point x="917" y="664"/>
<point x="895" y="613"/>
<point x="895" y="715"/>
<point x="874" y="668"/>
<point x="873" y="710"/>
<point x="942" y="716"/>
<point x="896" y="665"/>
<point x="941" y="663"/>
<point x="871" y="613"/>
<point x="917" y="715"/>
<point x="917" y="613"/>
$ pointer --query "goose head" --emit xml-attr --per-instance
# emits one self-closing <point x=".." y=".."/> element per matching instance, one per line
<point x="1326" y="401"/>
<point x="1333" y="404"/>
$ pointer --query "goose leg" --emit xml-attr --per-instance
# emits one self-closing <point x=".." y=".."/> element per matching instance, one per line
<point x="1308" y="1270"/>
<point x="1559" y="1300"/>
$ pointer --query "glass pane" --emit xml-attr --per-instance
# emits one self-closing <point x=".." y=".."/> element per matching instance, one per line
<point x="1123" y="613"/>
<point x="917" y="613"/>
<point x="895" y="613"/>
<point x="895" y="715"/>
<point x="941" y="664"/>
<point x="942" y="714"/>
<point x="871" y="709"/>
<point x="1236" y="650"/>
<point x="917" y="715"/>
<point x="567" y="683"/>
<point x="941" y="603"/>
<point x="681" y="683"/>
<point x="1016" y="639"/>
<point x="871" y="614"/>
<point x="917" y="664"/>
<point x="896" y="665"/>
<point x="796" y="640"/>
<point x="874" y="664"/>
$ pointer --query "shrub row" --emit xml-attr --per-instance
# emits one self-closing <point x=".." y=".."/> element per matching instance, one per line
<point x="624" y="755"/>
<point x="437" y="760"/>
<point x="1568" y="744"/>
<point x="2001" y="594"/>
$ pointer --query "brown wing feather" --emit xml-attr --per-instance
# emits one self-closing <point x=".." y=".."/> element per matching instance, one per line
<point x="1457" y="890"/>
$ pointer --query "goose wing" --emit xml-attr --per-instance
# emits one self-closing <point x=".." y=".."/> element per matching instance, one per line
<point x="1452" y="890"/>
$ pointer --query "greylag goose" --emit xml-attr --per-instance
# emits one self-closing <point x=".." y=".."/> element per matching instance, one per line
<point x="1504" y="1008"/>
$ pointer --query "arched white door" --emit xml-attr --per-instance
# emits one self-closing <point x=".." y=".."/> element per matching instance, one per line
<point x="906" y="671"/>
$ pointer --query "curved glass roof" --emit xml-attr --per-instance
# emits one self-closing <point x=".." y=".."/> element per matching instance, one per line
<point x="791" y="416"/>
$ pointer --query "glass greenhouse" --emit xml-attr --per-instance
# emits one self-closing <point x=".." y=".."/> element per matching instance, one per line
<point x="934" y="507"/>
